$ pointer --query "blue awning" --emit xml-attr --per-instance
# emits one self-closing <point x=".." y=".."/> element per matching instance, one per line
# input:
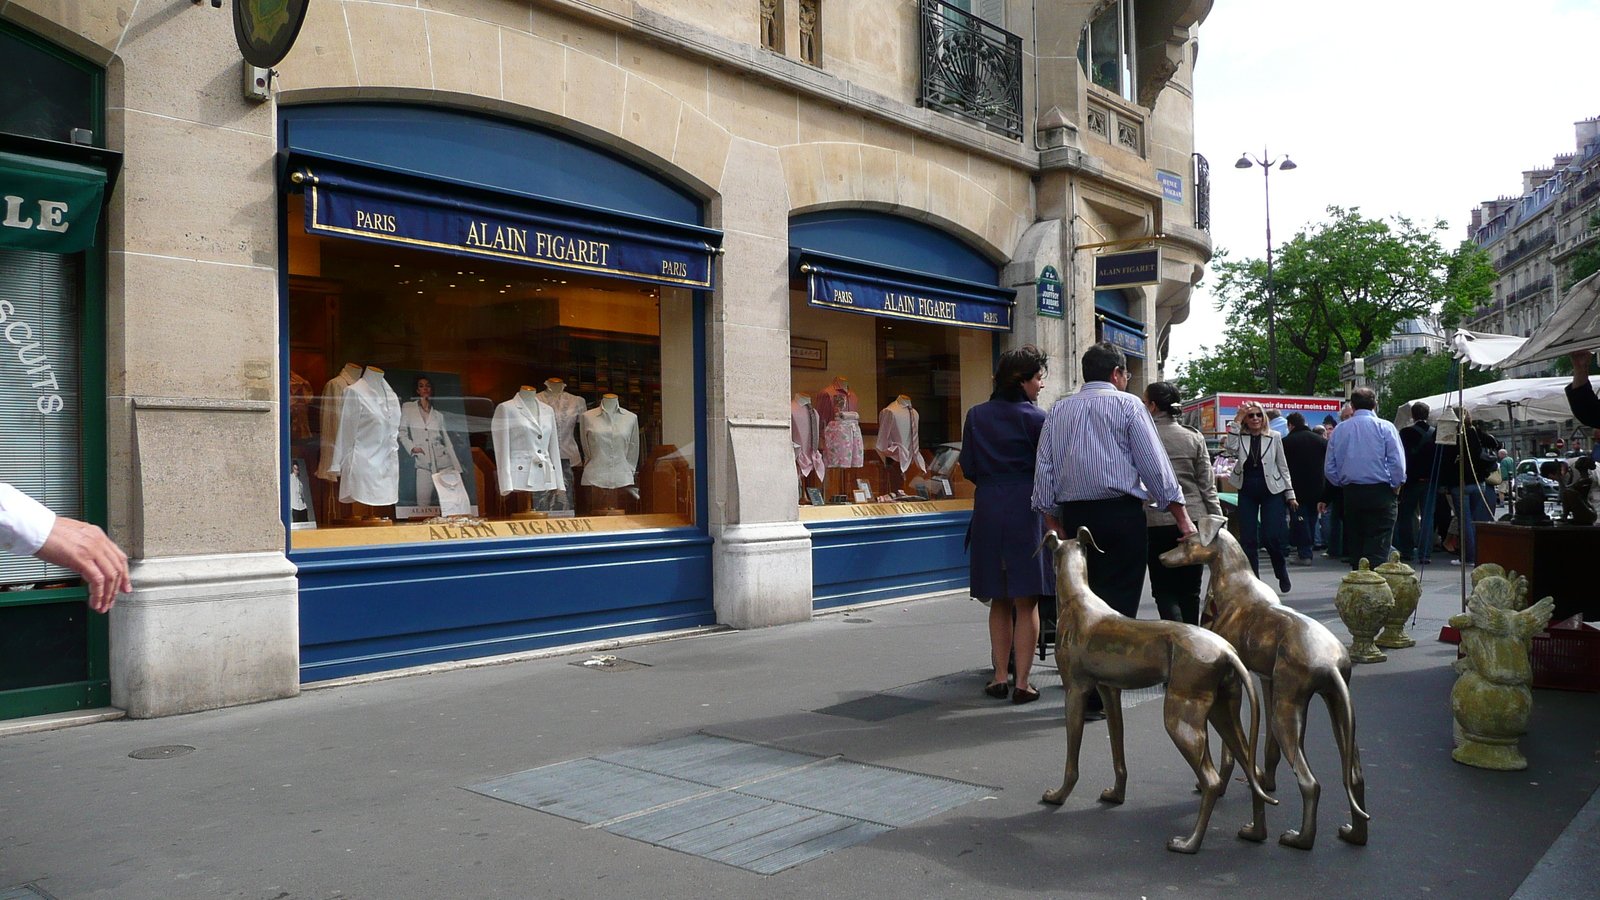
<point x="852" y="285"/>
<point x="363" y="204"/>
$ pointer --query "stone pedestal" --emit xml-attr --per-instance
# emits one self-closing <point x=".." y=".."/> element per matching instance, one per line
<point x="761" y="574"/>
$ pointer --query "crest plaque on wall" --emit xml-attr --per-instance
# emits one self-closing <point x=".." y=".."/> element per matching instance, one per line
<point x="266" y="29"/>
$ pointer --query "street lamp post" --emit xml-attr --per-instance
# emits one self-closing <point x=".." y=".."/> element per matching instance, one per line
<point x="1266" y="163"/>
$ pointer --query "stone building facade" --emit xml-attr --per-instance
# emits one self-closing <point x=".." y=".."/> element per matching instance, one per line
<point x="1532" y="238"/>
<point x="433" y="211"/>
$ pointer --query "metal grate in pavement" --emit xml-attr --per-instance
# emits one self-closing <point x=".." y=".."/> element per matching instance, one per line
<point x="24" y="892"/>
<point x="876" y="708"/>
<point x="758" y="808"/>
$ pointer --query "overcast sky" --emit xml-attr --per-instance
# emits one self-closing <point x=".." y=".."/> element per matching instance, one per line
<point x="1419" y="108"/>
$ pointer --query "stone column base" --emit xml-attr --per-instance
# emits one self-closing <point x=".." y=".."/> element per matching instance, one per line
<point x="761" y="574"/>
<point x="200" y="632"/>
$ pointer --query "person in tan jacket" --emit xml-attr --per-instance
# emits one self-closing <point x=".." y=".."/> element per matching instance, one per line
<point x="1177" y="590"/>
<point x="1266" y="493"/>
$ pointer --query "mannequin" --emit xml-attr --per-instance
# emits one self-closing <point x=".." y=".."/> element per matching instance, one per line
<point x="838" y="411"/>
<point x="805" y="431"/>
<point x="366" y="448"/>
<point x="610" y="445"/>
<point x="834" y="399"/>
<point x="899" y="425"/>
<point x="425" y="435"/>
<point x="568" y="407"/>
<point x="526" y="448"/>
<point x="328" y="419"/>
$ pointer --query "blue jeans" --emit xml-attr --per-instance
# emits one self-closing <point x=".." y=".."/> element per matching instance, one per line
<point x="1472" y="508"/>
<point x="1263" y="519"/>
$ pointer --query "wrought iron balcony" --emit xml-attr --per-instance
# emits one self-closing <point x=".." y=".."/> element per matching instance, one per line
<point x="971" y="69"/>
<point x="1202" y="193"/>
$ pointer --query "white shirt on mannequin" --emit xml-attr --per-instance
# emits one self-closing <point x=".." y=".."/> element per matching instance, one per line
<point x="332" y="404"/>
<point x="366" y="451"/>
<point x="526" y="451"/>
<point x="898" y="426"/>
<point x="568" y="407"/>
<point x="610" y="444"/>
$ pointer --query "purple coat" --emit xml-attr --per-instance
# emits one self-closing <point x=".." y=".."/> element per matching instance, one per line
<point x="998" y="447"/>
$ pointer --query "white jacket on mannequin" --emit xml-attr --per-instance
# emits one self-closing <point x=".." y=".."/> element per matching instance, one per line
<point x="366" y="449"/>
<point x="527" y="449"/>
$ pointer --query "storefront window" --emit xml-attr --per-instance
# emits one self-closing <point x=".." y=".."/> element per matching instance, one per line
<point x="440" y="397"/>
<point x="877" y="410"/>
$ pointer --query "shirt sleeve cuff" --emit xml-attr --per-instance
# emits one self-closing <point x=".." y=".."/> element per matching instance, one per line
<point x="25" y="523"/>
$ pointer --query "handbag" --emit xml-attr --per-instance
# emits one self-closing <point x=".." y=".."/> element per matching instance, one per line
<point x="1494" y="479"/>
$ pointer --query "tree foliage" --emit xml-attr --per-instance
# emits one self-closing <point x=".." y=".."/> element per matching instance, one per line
<point x="1423" y="375"/>
<point x="1468" y="283"/>
<point x="1586" y="262"/>
<point x="1339" y="286"/>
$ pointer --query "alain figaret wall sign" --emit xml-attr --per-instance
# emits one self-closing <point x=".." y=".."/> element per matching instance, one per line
<point x="1131" y="268"/>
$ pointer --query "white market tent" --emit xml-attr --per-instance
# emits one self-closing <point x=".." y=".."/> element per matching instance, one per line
<point x="1574" y="326"/>
<point x="1519" y="399"/>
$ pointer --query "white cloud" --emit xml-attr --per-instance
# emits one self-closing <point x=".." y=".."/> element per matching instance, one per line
<point x="1417" y="108"/>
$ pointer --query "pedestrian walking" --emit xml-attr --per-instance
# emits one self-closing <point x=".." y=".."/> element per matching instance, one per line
<point x="1413" y="533"/>
<point x="28" y="528"/>
<point x="1177" y="589"/>
<point x="1367" y="463"/>
<point x="999" y="444"/>
<point x="1100" y="464"/>
<point x="1266" y="491"/>
<point x="1305" y="451"/>
<point x="1468" y="484"/>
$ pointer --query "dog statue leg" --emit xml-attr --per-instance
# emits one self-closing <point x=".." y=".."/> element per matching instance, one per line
<point x="1186" y="724"/>
<point x="1294" y="729"/>
<point x="1344" y="731"/>
<point x="1075" y="704"/>
<point x="1111" y="698"/>
<point x="1271" y="752"/>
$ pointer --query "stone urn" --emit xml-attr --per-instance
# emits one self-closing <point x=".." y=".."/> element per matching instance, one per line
<point x="1365" y="604"/>
<point x="1491" y="700"/>
<point x="1407" y="590"/>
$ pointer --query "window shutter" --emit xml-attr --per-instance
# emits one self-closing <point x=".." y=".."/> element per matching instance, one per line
<point x="991" y="11"/>
<point x="40" y="444"/>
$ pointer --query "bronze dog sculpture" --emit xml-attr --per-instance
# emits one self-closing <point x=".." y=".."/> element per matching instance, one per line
<point x="1296" y="658"/>
<point x="1099" y="648"/>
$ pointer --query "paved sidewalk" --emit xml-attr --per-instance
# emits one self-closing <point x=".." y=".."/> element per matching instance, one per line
<point x="362" y="791"/>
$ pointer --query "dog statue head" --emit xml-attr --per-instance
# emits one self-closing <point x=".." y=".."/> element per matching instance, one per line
<point x="1200" y="547"/>
<point x="1071" y="558"/>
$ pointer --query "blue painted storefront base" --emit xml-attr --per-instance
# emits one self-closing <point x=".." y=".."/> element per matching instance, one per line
<point x="856" y="561"/>
<point x="375" y="608"/>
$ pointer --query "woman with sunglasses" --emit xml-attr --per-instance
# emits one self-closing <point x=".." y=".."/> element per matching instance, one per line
<point x="1265" y="493"/>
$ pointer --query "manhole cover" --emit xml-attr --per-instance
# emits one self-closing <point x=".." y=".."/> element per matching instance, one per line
<point x="608" y="664"/>
<point x="876" y="708"/>
<point x="167" y="751"/>
<point x="858" y="621"/>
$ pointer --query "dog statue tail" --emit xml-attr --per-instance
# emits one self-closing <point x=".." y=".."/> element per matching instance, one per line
<point x="1251" y="774"/>
<point x="1345" y="721"/>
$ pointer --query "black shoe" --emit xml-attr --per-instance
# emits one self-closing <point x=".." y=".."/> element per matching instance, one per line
<point x="998" y="691"/>
<point x="1283" y="583"/>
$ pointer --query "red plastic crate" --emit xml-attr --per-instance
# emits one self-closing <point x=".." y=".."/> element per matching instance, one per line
<point x="1566" y="656"/>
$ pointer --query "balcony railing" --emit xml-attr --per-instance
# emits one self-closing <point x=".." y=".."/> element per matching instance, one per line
<point x="971" y="69"/>
<point x="1525" y="248"/>
<point x="1202" y="193"/>
<point x="1529" y="290"/>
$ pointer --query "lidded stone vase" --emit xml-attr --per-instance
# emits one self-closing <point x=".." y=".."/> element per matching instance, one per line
<point x="1365" y="604"/>
<point x="1407" y="590"/>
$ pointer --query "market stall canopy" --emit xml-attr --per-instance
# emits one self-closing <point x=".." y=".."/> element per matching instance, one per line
<point x="1484" y="350"/>
<point x="1538" y="399"/>
<point x="1575" y="326"/>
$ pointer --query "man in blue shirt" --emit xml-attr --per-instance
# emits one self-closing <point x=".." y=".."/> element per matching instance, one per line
<point x="1367" y="462"/>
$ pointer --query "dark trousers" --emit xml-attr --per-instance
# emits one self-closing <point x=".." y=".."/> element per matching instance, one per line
<point x="1176" y="590"/>
<point x="1116" y="574"/>
<point x="1368" y="523"/>
<point x="1409" y="529"/>
<point x="1262" y="520"/>
<point x="1301" y="522"/>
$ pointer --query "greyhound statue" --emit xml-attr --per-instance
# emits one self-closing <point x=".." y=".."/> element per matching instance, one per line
<point x="1099" y="648"/>
<point x="1296" y="658"/>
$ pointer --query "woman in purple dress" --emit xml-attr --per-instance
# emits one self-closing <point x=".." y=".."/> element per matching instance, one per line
<point x="998" y="448"/>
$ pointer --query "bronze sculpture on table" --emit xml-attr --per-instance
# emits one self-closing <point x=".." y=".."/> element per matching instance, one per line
<point x="1575" y="496"/>
<point x="1098" y="648"/>
<point x="1297" y="658"/>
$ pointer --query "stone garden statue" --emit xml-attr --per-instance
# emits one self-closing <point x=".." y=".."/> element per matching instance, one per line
<point x="1492" y="699"/>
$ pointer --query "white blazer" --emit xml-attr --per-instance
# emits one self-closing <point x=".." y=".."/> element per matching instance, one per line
<point x="527" y="448"/>
<point x="1273" y="464"/>
<point x="431" y="435"/>
<point x="366" y="450"/>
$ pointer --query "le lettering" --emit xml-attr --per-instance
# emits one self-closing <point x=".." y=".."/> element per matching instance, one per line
<point x="50" y="215"/>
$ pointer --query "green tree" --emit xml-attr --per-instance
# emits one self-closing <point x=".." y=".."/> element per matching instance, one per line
<point x="1423" y="375"/>
<point x="1586" y="262"/>
<point x="1341" y="286"/>
<point x="1468" y="283"/>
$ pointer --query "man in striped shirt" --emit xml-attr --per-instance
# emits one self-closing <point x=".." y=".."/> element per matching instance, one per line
<point x="1100" y="464"/>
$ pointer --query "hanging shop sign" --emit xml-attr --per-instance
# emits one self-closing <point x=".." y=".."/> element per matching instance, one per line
<point x="1128" y="340"/>
<point x="1049" y="293"/>
<point x="1129" y="269"/>
<point x="266" y="29"/>
<point x="835" y="283"/>
<point x="544" y="233"/>
<point x="48" y="204"/>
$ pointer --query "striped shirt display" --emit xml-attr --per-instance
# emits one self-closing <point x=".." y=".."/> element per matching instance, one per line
<point x="1099" y="444"/>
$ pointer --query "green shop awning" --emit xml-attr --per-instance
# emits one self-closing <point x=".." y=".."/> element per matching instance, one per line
<point x="48" y="204"/>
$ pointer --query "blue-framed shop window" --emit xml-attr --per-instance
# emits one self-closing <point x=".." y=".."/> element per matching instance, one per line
<point x="856" y="561"/>
<point x="377" y="607"/>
